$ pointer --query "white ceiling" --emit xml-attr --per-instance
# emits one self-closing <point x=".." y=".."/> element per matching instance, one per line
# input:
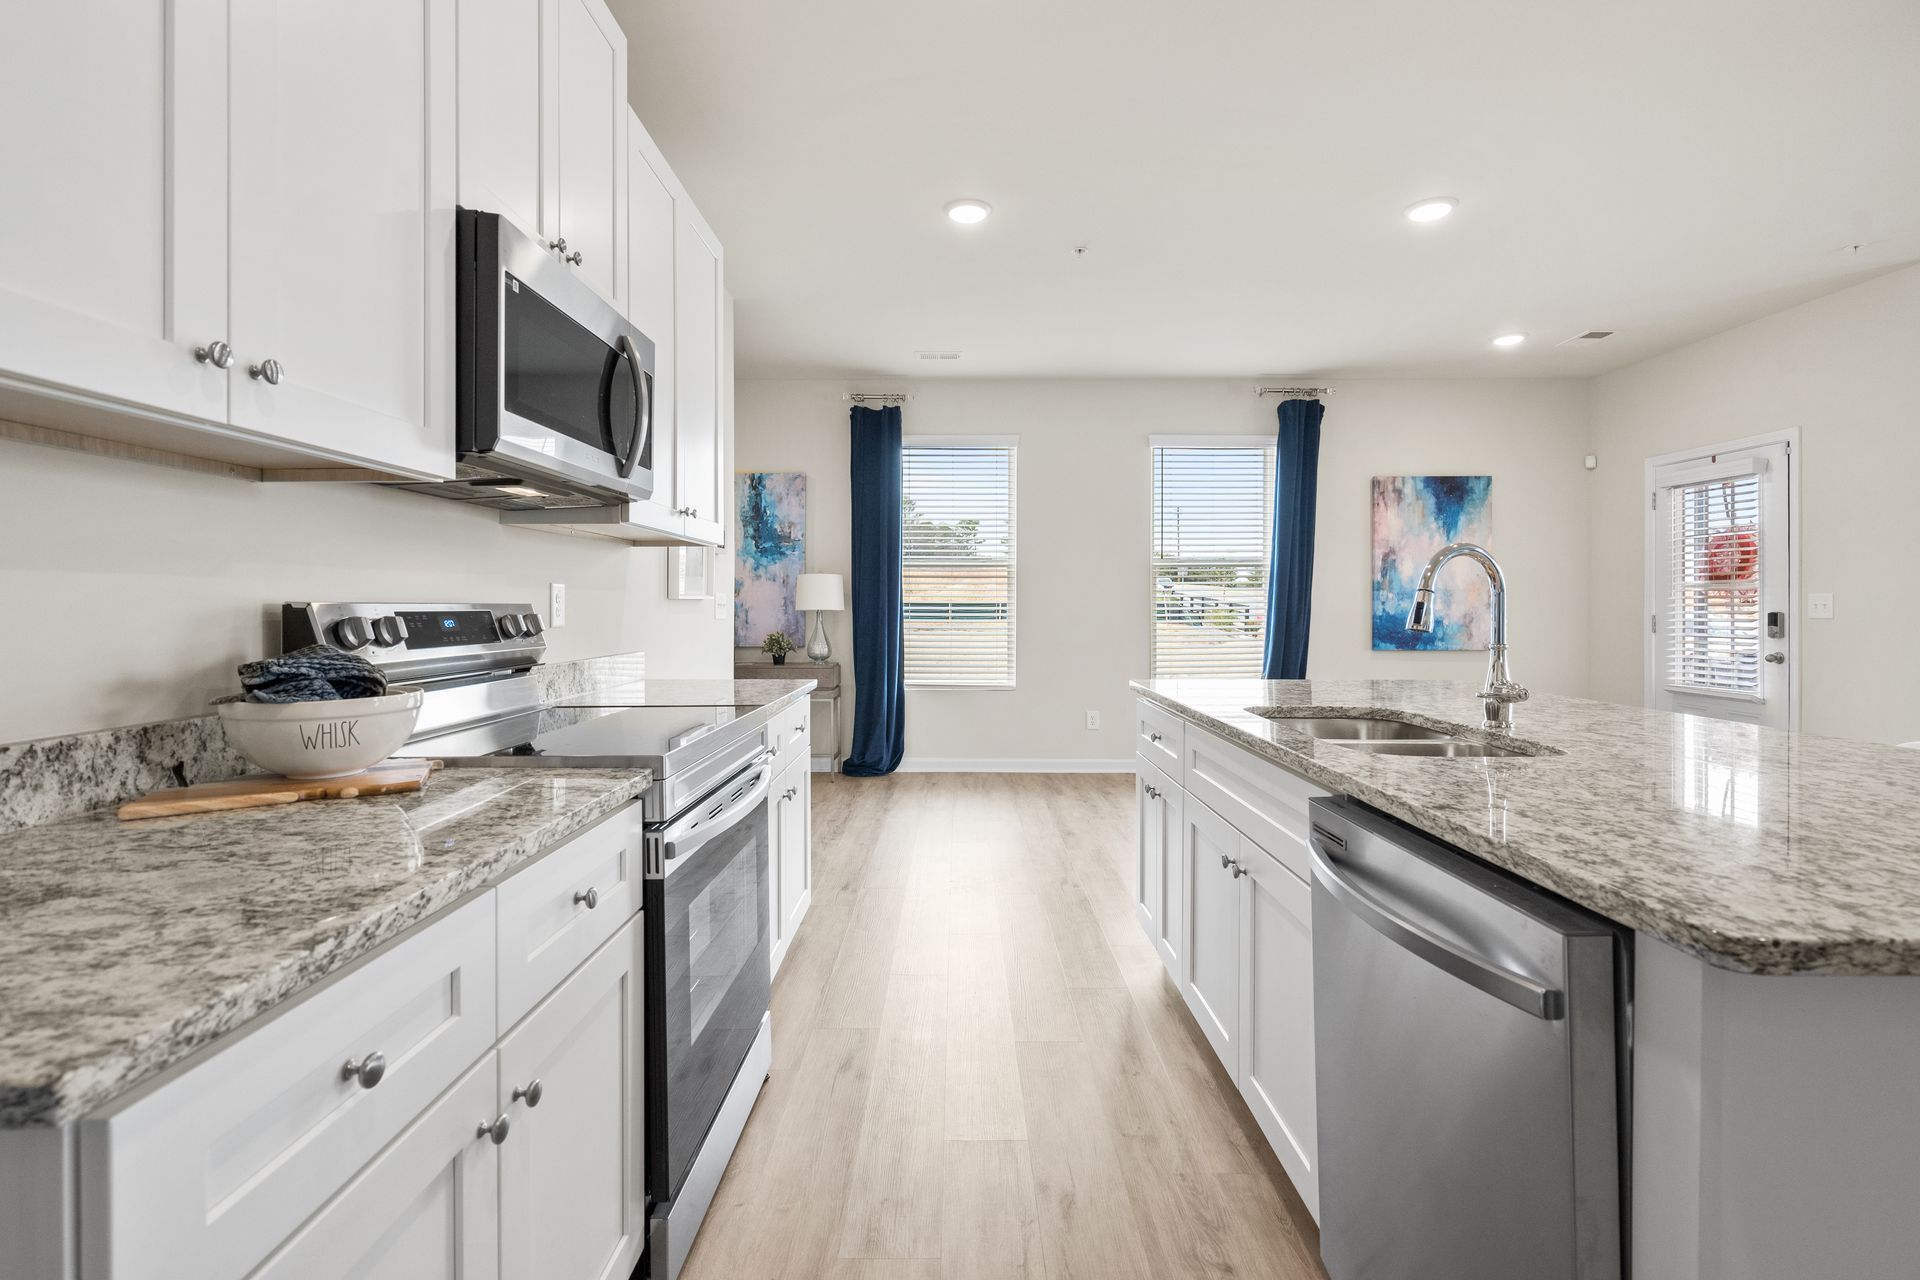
<point x="1239" y="168"/>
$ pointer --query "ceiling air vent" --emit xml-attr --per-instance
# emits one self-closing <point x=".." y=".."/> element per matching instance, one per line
<point x="938" y="355"/>
<point x="1593" y="335"/>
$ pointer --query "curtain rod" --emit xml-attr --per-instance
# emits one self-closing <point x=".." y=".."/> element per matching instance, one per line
<point x="885" y="397"/>
<point x="1294" y="393"/>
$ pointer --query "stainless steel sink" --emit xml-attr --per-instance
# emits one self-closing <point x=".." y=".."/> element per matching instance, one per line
<point x="1441" y="748"/>
<point x="1359" y="728"/>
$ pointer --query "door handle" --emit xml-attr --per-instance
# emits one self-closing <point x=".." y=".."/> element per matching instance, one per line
<point x="1523" y="993"/>
<point x="1776" y="657"/>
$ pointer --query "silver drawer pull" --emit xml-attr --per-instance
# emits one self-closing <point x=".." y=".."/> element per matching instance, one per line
<point x="496" y="1131"/>
<point x="1238" y="871"/>
<point x="1225" y="862"/>
<point x="1153" y="792"/>
<point x="369" y="1071"/>
<point x="1153" y="737"/>
<point x="589" y="896"/>
<point x="216" y="353"/>
<point x="532" y="1093"/>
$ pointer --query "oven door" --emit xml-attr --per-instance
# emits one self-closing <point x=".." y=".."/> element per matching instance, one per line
<point x="707" y="928"/>
<point x="552" y="377"/>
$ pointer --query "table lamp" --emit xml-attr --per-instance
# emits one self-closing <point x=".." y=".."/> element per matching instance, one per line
<point x="817" y="593"/>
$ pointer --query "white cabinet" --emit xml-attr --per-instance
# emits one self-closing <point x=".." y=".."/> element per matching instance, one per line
<point x="699" y="397"/>
<point x="559" y="911"/>
<point x="791" y="857"/>
<point x="342" y="195"/>
<point x="1209" y="850"/>
<point x="1158" y="875"/>
<point x="572" y="1197"/>
<point x="505" y="49"/>
<point x="1276" y="1013"/>
<point x="426" y="1206"/>
<point x="590" y="106"/>
<point x="113" y="232"/>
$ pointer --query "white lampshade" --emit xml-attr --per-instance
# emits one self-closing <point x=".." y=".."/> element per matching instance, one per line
<point x="819" y="591"/>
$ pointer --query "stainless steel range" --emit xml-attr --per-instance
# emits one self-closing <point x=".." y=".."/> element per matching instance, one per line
<point x="707" y="917"/>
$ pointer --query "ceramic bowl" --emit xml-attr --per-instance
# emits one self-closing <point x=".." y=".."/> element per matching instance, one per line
<point x="321" y="739"/>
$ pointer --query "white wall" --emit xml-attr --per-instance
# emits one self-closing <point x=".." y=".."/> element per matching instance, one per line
<point x="1845" y="370"/>
<point x="1084" y="507"/>
<point x="131" y="590"/>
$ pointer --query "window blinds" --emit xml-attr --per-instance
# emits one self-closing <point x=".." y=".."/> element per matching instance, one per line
<point x="1713" y="618"/>
<point x="1212" y="536"/>
<point x="957" y="533"/>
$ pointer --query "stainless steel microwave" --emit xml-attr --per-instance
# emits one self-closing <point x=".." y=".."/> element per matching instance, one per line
<point x="554" y="405"/>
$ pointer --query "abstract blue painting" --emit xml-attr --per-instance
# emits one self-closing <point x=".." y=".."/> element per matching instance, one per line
<point x="771" y="507"/>
<point x="1413" y="517"/>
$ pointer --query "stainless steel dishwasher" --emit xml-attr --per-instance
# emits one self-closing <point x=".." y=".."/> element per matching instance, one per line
<point x="1472" y="1060"/>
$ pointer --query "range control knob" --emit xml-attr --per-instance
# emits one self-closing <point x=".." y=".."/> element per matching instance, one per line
<point x="352" y="633"/>
<point x="510" y="626"/>
<point x="389" y="630"/>
<point x="531" y="621"/>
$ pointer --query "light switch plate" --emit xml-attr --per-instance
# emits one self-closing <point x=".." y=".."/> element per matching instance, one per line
<point x="1819" y="604"/>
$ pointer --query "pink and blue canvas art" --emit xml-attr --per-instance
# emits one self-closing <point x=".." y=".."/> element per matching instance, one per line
<point x="771" y="507"/>
<point x="1413" y="517"/>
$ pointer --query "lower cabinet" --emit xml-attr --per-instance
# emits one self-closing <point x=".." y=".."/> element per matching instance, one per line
<point x="426" y="1206"/>
<point x="572" y="1198"/>
<point x="1276" y="1013"/>
<point x="791" y="857"/>
<point x="1210" y="851"/>
<point x="1158" y="892"/>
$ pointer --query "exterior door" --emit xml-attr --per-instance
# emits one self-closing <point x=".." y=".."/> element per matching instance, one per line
<point x="1276" y="1013"/>
<point x="572" y="1200"/>
<point x="1211" y="980"/>
<point x="1722" y="626"/>
<point x="342" y="198"/>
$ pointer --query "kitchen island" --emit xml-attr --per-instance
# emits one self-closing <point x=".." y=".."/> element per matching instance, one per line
<point x="1772" y="882"/>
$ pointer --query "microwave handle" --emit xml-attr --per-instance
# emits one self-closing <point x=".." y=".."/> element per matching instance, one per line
<point x="642" y="408"/>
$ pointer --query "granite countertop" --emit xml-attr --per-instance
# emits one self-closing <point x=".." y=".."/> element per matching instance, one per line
<point x="1758" y="850"/>
<point x="719" y="692"/>
<point x="127" y="946"/>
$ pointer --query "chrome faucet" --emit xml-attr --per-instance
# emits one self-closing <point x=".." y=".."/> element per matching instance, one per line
<point x="1501" y="691"/>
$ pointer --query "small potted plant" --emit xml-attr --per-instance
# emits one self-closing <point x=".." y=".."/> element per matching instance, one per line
<point x="777" y="647"/>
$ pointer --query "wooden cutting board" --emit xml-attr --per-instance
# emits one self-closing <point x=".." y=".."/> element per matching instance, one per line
<point x="267" y="789"/>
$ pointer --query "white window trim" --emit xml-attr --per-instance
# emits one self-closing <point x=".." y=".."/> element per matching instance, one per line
<point x="1177" y="441"/>
<point x="980" y="442"/>
<point x="1651" y="683"/>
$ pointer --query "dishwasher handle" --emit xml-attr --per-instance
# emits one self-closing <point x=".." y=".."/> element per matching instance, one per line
<point x="1523" y="993"/>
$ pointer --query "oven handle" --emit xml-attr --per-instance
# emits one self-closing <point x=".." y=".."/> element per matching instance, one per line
<point x="716" y="813"/>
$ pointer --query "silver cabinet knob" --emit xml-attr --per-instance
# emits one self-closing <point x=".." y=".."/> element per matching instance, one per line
<point x="1225" y="862"/>
<point x="532" y="1093"/>
<point x="558" y="246"/>
<point x="1153" y="737"/>
<point x="1153" y="793"/>
<point x="216" y="353"/>
<point x="1776" y="657"/>
<point x="267" y="371"/>
<point x="575" y="258"/>
<point x="1238" y="871"/>
<point x="369" y="1071"/>
<point x="589" y="896"/>
<point x="496" y="1130"/>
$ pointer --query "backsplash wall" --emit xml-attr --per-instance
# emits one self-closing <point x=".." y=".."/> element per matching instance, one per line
<point x="136" y="589"/>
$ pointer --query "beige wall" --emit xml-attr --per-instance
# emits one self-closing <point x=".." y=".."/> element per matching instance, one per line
<point x="1083" y="534"/>
<point x="1845" y="370"/>
<point x="132" y="590"/>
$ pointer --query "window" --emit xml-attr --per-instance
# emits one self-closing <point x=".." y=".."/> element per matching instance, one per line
<point x="1713" y="537"/>
<point x="1212" y="535"/>
<point x="957" y="526"/>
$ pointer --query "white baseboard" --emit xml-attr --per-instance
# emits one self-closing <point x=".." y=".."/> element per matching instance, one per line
<point x="924" y="764"/>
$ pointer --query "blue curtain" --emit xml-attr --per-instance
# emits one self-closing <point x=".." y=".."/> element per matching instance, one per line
<point x="1296" y="480"/>
<point x="879" y="658"/>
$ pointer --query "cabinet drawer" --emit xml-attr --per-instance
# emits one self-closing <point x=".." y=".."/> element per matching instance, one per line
<point x="222" y="1164"/>
<point x="1260" y="799"/>
<point x="547" y="926"/>
<point x="1158" y="734"/>
<point x="787" y="734"/>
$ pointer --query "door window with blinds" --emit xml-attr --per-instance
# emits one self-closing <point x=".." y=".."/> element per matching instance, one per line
<point x="958" y="539"/>
<point x="1212" y="537"/>
<point x="1720" y="591"/>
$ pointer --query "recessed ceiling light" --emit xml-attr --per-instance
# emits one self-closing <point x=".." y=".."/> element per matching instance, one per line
<point x="1509" y="339"/>
<point x="1431" y="209"/>
<point x="968" y="212"/>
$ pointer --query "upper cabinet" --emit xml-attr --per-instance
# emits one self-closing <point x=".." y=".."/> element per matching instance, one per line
<point x="699" y="399"/>
<point x="220" y="242"/>
<point x="543" y="113"/>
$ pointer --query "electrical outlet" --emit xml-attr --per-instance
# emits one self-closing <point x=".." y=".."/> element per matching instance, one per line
<point x="1819" y="604"/>
<point x="1093" y="719"/>
<point x="556" y="604"/>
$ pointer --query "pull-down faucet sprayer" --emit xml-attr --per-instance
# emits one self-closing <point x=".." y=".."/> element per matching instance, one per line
<point x="1501" y="691"/>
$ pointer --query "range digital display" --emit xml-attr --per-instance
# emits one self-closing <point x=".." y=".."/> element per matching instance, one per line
<point x="445" y="630"/>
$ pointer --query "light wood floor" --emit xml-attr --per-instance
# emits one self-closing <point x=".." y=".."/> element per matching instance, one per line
<point x="980" y="1068"/>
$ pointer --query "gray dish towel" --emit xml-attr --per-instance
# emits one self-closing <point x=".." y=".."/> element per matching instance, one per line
<point x="317" y="673"/>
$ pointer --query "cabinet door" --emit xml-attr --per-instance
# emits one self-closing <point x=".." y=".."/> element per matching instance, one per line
<point x="591" y="103"/>
<point x="1276" y="1012"/>
<point x="796" y="847"/>
<point x="572" y="1203"/>
<point x="427" y="1206"/>
<point x="650" y="204"/>
<point x="698" y="396"/>
<point x="113" y="231"/>
<point x="1210" y="853"/>
<point x="342" y="197"/>
<point x="503" y="150"/>
<point x="1157" y="873"/>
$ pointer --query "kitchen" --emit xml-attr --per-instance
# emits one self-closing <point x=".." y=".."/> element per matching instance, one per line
<point x="995" y="980"/>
